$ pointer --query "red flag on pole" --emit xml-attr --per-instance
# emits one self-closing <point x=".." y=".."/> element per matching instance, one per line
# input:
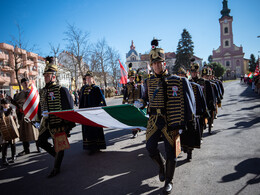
<point x="149" y="70"/>
<point x="30" y="106"/>
<point x="257" y="68"/>
<point x="123" y="79"/>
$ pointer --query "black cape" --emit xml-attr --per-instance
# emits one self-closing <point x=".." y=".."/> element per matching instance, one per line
<point x="93" y="137"/>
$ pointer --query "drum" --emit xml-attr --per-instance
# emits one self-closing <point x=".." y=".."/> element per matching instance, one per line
<point x="9" y="129"/>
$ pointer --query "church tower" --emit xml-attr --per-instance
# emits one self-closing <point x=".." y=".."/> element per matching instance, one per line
<point x="228" y="54"/>
<point x="226" y="33"/>
<point x="133" y="57"/>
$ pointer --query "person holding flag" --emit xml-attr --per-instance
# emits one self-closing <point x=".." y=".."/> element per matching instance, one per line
<point x="92" y="96"/>
<point x="26" y="129"/>
<point x="133" y="90"/>
<point x="53" y="97"/>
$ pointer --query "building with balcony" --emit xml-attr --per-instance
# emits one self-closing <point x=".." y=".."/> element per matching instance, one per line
<point x="14" y="58"/>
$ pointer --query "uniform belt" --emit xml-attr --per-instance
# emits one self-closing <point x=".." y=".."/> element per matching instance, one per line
<point x="155" y="111"/>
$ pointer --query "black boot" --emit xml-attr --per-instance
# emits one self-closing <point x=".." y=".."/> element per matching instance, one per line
<point x="57" y="164"/>
<point x="13" y="151"/>
<point x="26" y="149"/>
<point x="209" y="127"/>
<point x="134" y="134"/>
<point x="189" y="155"/>
<point x="170" y="168"/>
<point x="158" y="159"/>
<point x="4" y="153"/>
<point x="38" y="147"/>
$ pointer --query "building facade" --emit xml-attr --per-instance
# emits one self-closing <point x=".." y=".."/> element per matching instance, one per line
<point x="142" y="61"/>
<point x="40" y="78"/>
<point x="11" y="57"/>
<point x="228" y="54"/>
<point x="68" y="62"/>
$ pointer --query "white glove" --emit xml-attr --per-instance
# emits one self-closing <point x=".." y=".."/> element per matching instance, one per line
<point x="37" y="125"/>
<point x="44" y="113"/>
<point x="138" y="104"/>
<point x="180" y="131"/>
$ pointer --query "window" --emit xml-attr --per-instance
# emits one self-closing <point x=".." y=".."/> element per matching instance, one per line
<point x="227" y="63"/>
<point x="226" y="43"/>
<point x="133" y="58"/>
<point x="226" y="30"/>
<point x="237" y="62"/>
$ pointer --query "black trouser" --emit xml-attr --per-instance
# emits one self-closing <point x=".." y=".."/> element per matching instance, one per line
<point x="152" y="142"/>
<point x="4" y="149"/>
<point x="48" y="147"/>
<point x="26" y="146"/>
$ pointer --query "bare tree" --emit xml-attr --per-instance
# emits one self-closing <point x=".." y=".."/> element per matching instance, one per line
<point x="20" y="47"/>
<point x="77" y="46"/>
<point x="101" y="57"/>
<point x="55" y="50"/>
<point x="113" y="57"/>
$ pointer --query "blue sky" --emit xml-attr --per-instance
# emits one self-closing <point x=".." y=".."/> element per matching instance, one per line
<point x="120" y="21"/>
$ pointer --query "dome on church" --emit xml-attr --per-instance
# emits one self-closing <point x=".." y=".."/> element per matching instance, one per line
<point x="130" y="52"/>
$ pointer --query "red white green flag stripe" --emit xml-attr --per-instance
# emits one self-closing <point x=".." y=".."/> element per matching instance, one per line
<point x="115" y="117"/>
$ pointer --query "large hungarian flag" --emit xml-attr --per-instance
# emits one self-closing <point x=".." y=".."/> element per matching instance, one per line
<point x="115" y="117"/>
<point x="30" y="106"/>
<point x="123" y="79"/>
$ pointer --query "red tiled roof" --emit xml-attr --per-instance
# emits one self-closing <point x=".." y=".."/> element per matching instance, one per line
<point x="41" y="58"/>
<point x="170" y="55"/>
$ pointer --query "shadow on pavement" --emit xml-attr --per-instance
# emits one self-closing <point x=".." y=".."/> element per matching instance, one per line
<point x="224" y="105"/>
<point x="248" y="92"/>
<point x="242" y="125"/>
<point x="113" y="136"/>
<point x="135" y="145"/>
<point x="250" y="108"/>
<point x="249" y="166"/>
<point x="222" y="115"/>
<point x="107" y="172"/>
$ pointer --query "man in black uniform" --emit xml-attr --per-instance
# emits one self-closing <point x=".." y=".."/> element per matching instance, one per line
<point x="53" y="97"/>
<point x="192" y="139"/>
<point x="207" y="91"/>
<point x="93" y="137"/>
<point x="166" y="113"/>
<point x="206" y="71"/>
<point x="133" y="91"/>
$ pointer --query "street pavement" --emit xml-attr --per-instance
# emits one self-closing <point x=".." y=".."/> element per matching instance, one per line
<point x="227" y="163"/>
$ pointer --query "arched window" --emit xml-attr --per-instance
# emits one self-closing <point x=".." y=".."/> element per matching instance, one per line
<point x="133" y="58"/>
<point x="226" y="43"/>
<point x="237" y="62"/>
<point x="226" y="30"/>
<point x="227" y="63"/>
